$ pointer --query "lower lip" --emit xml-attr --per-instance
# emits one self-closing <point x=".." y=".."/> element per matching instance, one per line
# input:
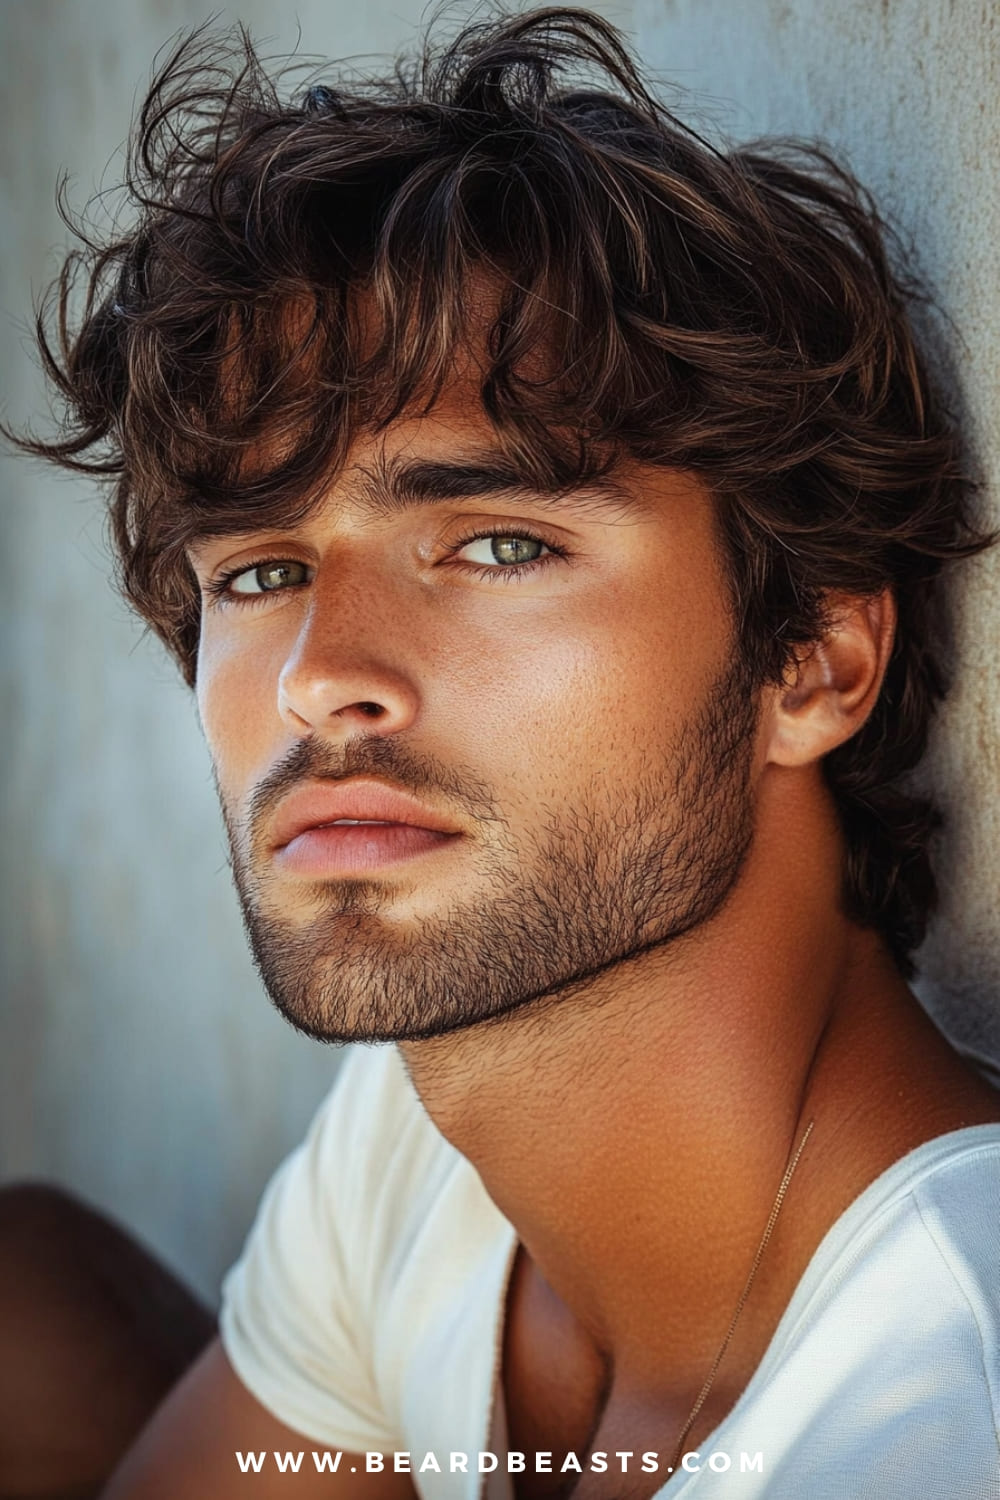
<point x="355" y="849"/>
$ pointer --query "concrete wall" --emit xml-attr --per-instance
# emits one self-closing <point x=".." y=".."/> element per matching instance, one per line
<point x="139" y="1061"/>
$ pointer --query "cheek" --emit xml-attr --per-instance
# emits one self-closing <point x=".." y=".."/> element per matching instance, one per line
<point x="237" y="705"/>
<point x="559" y="695"/>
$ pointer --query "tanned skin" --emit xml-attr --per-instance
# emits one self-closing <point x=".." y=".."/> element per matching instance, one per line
<point x="635" y="1129"/>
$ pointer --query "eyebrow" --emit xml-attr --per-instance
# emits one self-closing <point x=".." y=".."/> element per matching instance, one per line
<point x="396" y="484"/>
<point x="391" y="485"/>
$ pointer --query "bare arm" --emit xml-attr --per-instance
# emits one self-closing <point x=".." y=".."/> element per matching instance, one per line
<point x="190" y="1448"/>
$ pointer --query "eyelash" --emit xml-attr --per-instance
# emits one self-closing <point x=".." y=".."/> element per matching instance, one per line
<point x="219" y="588"/>
<point x="513" y="571"/>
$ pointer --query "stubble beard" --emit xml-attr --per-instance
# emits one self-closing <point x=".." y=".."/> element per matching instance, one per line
<point x="624" y="870"/>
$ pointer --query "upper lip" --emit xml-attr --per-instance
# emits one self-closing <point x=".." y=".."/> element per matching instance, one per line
<point x="318" y="803"/>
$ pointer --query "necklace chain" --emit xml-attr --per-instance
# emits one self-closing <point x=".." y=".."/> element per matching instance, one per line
<point x="761" y="1248"/>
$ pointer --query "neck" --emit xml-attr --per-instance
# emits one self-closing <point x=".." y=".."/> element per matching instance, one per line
<point x="635" y="1131"/>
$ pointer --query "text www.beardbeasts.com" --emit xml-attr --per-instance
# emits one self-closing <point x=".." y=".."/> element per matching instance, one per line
<point x="326" y="1461"/>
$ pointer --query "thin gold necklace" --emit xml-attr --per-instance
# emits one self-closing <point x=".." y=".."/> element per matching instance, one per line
<point x="765" y="1237"/>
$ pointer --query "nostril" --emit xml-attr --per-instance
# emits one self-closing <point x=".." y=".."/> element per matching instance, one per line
<point x="373" y="710"/>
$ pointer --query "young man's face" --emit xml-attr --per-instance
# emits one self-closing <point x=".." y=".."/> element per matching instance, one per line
<point x="529" y="706"/>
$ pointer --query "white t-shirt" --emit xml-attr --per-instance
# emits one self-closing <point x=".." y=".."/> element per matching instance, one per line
<point x="366" y="1312"/>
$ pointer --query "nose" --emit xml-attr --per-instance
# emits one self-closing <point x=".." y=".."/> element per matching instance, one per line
<point x="343" y="675"/>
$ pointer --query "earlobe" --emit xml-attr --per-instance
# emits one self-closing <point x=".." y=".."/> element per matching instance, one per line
<point x="831" y="685"/>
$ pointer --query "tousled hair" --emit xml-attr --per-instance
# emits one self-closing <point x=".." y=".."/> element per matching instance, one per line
<point x="728" y="313"/>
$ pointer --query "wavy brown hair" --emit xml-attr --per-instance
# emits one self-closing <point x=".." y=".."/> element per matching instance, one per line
<point x="731" y="313"/>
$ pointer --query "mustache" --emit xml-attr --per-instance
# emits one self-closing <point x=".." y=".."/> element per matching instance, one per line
<point x="316" y="759"/>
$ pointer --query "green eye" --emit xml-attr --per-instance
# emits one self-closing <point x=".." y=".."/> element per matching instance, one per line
<point x="267" y="577"/>
<point x="507" y="550"/>
<point x="515" y="549"/>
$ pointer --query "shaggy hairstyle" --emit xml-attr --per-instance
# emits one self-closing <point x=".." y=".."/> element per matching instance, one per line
<point x="730" y="313"/>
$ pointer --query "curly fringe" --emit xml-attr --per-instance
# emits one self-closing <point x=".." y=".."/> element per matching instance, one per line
<point x="732" y="314"/>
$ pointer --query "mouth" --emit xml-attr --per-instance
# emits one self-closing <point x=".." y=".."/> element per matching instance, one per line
<point x="326" y="830"/>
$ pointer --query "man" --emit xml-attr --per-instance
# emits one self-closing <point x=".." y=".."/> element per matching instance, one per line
<point x="547" y="509"/>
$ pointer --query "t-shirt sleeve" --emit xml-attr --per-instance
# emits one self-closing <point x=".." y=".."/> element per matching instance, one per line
<point x="296" y="1307"/>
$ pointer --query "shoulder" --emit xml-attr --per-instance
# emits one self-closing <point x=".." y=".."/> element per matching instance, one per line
<point x="348" y="1201"/>
<point x="911" y="1269"/>
<point x="934" y="1214"/>
<point x="370" y="1099"/>
<point x="885" y="1370"/>
<point x="366" y="1236"/>
<point x="371" y="1134"/>
<point x="958" y="1205"/>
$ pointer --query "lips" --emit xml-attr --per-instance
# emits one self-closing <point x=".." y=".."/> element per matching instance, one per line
<point x="330" y="829"/>
<point x="320" y="804"/>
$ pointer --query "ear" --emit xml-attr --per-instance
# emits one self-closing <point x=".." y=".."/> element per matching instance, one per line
<point x="831" y="687"/>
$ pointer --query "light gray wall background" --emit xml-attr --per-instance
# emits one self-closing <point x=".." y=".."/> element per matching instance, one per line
<point x="139" y="1061"/>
